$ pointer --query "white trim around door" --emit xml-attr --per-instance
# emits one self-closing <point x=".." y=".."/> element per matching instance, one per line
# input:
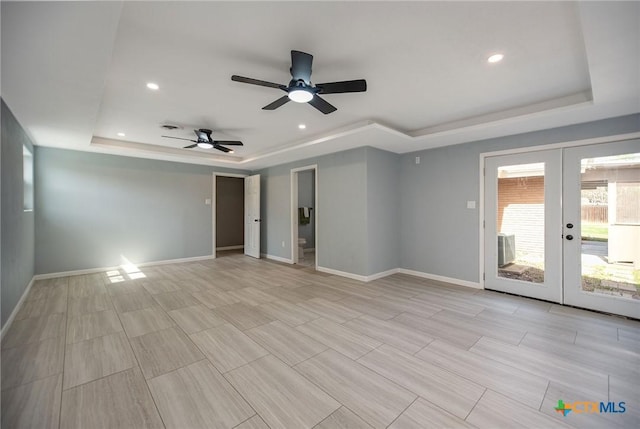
<point x="294" y="210"/>
<point x="213" y="206"/>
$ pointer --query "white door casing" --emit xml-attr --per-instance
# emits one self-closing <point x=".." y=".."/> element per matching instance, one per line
<point x="294" y="217"/>
<point x="294" y="211"/>
<point x="214" y="205"/>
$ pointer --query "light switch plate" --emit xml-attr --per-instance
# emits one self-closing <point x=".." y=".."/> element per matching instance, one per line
<point x="471" y="204"/>
<point x="208" y="201"/>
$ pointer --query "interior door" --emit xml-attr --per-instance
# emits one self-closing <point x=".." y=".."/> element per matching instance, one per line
<point x="252" y="216"/>
<point x="601" y="197"/>
<point x="522" y="244"/>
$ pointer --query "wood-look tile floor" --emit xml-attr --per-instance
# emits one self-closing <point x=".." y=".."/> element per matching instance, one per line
<point x="242" y="343"/>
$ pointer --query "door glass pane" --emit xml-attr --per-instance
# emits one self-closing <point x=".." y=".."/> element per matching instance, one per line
<point x="520" y="240"/>
<point x="610" y="227"/>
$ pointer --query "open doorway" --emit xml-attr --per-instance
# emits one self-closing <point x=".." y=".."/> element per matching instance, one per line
<point x="304" y="216"/>
<point x="228" y="215"/>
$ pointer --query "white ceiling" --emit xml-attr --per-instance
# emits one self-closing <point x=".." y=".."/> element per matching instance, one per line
<point x="75" y="73"/>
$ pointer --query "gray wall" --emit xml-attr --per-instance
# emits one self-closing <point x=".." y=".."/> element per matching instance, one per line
<point x="92" y="209"/>
<point x="17" y="230"/>
<point x="376" y="210"/>
<point x="383" y="210"/>
<point x="357" y="213"/>
<point x="439" y="235"/>
<point x="306" y="198"/>
<point x="229" y="211"/>
<point x="341" y="211"/>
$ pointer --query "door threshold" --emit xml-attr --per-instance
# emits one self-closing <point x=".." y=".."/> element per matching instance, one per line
<point x="567" y="305"/>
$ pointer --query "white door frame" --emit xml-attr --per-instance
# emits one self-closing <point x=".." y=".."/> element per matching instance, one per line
<point x="294" y="210"/>
<point x="560" y="145"/>
<point x="213" y="207"/>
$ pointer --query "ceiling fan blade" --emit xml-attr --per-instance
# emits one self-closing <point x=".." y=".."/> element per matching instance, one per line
<point x="179" y="138"/>
<point x="191" y="146"/>
<point x="279" y="102"/>
<point x="257" y="82"/>
<point x="228" y="142"/>
<point x="222" y="148"/>
<point x="301" y="66"/>
<point x="322" y="105"/>
<point x="359" y="85"/>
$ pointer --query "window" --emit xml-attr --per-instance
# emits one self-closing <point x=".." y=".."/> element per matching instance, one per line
<point x="27" y="169"/>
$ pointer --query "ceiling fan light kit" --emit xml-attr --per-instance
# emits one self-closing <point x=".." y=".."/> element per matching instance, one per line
<point x="300" y="95"/>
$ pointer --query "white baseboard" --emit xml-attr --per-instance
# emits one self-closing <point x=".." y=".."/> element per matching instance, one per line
<point x="16" y="309"/>
<point x="452" y="280"/>
<point x="74" y="273"/>
<point x="103" y="269"/>
<point x="382" y="274"/>
<point x="359" y="277"/>
<point x="175" y="261"/>
<point x="239" y="246"/>
<point x="392" y="271"/>
<point x="277" y="258"/>
<point x="342" y="273"/>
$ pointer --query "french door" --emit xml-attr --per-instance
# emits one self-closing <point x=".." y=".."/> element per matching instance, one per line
<point x="563" y="225"/>
<point x="522" y="224"/>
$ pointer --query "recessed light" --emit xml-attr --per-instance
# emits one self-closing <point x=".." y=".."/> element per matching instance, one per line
<point x="231" y="151"/>
<point x="153" y="86"/>
<point x="495" y="58"/>
<point x="302" y="126"/>
<point x="121" y="134"/>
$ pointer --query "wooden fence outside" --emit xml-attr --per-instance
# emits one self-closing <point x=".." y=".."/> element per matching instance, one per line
<point x="595" y="214"/>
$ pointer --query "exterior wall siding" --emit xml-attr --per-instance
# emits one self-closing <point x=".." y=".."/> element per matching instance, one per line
<point x="521" y="212"/>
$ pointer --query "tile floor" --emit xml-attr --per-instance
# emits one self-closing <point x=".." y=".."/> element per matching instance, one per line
<point x="242" y="343"/>
<point x="309" y="259"/>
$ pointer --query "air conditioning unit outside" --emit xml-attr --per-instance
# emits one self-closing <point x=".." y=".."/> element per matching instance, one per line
<point x="506" y="249"/>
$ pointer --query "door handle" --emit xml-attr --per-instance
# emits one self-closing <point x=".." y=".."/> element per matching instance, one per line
<point x="569" y="237"/>
<point x="257" y="220"/>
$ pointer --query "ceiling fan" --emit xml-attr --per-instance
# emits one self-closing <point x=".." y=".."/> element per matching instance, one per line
<point x="206" y="142"/>
<point x="300" y="88"/>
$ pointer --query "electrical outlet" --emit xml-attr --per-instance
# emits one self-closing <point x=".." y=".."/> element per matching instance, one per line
<point x="283" y="244"/>
<point x="417" y="160"/>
